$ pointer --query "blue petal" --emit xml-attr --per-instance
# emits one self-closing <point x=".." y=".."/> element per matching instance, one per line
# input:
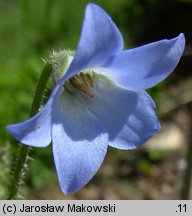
<point x="100" y="39"/>
<point x="36" y="131"/>
<point x="79" y="142"/>
<point x="146" y="66"/>
<point x="128" y="116"/>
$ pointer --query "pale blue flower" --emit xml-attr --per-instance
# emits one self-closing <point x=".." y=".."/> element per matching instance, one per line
<point x="107" y="107"/>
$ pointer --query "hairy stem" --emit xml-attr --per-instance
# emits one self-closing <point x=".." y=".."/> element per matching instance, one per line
<point x="24" y="151"/>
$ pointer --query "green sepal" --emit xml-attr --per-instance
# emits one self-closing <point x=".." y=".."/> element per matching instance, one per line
<point x="60" y="62"/>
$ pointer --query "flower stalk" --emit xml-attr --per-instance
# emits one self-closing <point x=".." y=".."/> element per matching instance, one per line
<point x="21" y="162"/>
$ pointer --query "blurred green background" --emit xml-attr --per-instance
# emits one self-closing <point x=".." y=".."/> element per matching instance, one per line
<point x="29" y="31"/>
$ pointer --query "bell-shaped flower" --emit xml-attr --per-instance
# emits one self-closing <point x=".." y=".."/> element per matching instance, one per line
<point x="100" y="100"/>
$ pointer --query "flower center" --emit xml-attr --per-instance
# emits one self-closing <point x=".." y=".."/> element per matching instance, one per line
<point x="82" y="82"/>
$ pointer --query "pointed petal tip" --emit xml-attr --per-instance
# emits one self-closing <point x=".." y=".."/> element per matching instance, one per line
<point x="11" y="129"/>
<point x="92" y="5"/>
<point x="181" y="35"/>
<point x="179" y="47"/>
<point x="158" y="128"/>
<point x="181" y="39"/>
<point x="66" y="191"/>
<point x="26" y="133"/>
<point x="179" y="44"/>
